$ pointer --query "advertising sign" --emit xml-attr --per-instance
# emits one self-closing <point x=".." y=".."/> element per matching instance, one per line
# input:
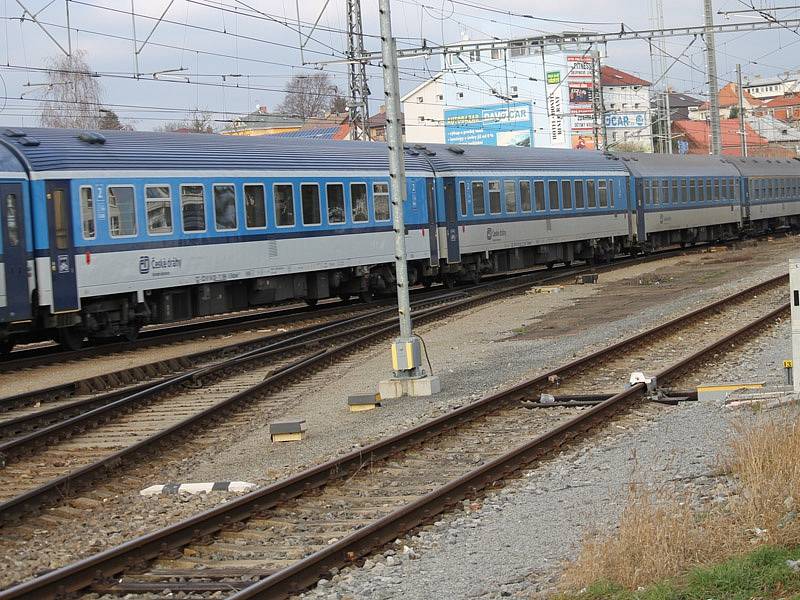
<point x="583" y="141"/>
<point x="580" y="67"/>
<point x="494" y="125"/>
<point x="626" y="121"/>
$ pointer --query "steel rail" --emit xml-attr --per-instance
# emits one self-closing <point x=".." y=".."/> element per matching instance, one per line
<point x="110" y="562"/>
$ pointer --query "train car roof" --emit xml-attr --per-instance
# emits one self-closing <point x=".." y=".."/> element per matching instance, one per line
<point x="676" y="165"/>
<point x="509" y="159"/>
<point x="778" y="167"/>
<point x="10" y="167"/>
<point x="71" y="152"/>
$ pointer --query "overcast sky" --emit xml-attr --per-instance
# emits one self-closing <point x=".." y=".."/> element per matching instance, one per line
<point x="235" y="58"/>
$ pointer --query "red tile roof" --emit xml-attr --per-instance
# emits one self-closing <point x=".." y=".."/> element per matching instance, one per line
<point x="729" y="96"/>
<point x="789" y="100"/>
<point x="610" y="76"/>
<point x="698" y="134"/>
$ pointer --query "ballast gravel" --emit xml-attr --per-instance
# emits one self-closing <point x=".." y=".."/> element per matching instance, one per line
<point x="474" y="353"/>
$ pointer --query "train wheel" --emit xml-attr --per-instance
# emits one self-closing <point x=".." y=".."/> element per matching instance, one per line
<point x="131" y="334"/>
<point x="366" y="297"/>
<point x="312" y="302"/>
<point x="427" y="283"/>
<point x="71" y="337"/>
<point x="449" y="282"/>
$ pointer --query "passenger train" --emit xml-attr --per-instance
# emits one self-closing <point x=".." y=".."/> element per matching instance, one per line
<point x="103" y="232"/>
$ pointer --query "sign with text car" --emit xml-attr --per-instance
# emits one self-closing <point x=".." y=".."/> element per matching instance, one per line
<point x="627" y="121"/>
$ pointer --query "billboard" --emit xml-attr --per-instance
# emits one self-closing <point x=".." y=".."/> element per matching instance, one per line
<point x="493" y="125"/>
<point x="626" y="121"/>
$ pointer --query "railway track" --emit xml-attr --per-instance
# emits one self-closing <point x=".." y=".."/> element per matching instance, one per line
<point x="51" y="453"/>
<point x="281" y="538"/>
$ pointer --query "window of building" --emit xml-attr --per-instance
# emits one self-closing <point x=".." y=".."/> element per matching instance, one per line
<point x="494" y="197"/>
<point x="497" y="54"/>
<point x="462" y="191"/>
<point x="358" y="199"/>
<point x="309" y="197"/>
<point x="283" y="196"/>
<point x="566" y="193"/>
<point x="158" y="206"/>
<point x="602" y="193"/>
<point x="193" y="209"/>
<point x="87" y="213"/>
<point x="225" y="207"/>
<point x="420" y="99"/>
<point x="478" y="198"/>
<point x="525" y="195"/>
<point x="121" y="211"/>
<point x="380" y="201"/>
<point x="510" y="192"/>
<point x="538" y="189"/>
<point x="334" y="196"/>
<point x="580" y="201"/>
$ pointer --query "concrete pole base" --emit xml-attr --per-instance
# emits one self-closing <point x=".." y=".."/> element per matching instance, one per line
<point x="427" y="385"/>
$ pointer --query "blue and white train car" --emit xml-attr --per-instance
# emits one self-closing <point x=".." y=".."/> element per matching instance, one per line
<point x="16" y="249"/>
<point x="135" y="227"/>
<point x="682" y="199"/>
<point x="508" y="208"/>
<point x="770" y="190"/>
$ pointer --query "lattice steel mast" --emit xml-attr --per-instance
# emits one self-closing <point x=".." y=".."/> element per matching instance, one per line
<point x="358" y="91"/>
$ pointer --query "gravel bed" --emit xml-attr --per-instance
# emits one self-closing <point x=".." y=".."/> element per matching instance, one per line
<point x="514" y="542"/>
<point x="474" y="353"/>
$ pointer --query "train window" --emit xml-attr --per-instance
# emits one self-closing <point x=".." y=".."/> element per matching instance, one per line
<point x="283" y="196"/>
<point x="538" y="189"/>
<point x="225" y="207"/>
<point x="656" y="196"/>
<point x="717" y="190"/>
<point x="692" y="190"/>
<point x="12" y="220"/>
<point x="494" y="197"/>
<point x="380" y="200"/>
<point x="510" y="192"/>
<point x="60" y="219"/>
<point x="525" y="195"/>
<point x="87" y="213"/>
<point x="193" y="208"/>
<point x="552" y="188"/>
<point x="647" y="192"/>
<point x="580" y="201"/>
<point x="255" y="209"/>
<point x="590" y="194"/>
<point x="334" y="193"/>
<point x="602" y="193"/>
<point x="462" y="191"/>
<point x="309" y="195"/>
<point x="478" y="198"/>
<point x="158" y="206"/>
<point x="566" y="193"/>
<point x="709" y="190"/>
<point x="358" y="198"/>
<point x="676" y="191"/>
<point x="665" y="191"/>
<point x="121" y="211"/>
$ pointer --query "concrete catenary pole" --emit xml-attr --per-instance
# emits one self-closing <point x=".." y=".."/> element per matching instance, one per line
<point x="713" y="82"/>
<point x="409" y="378"/>
<point x="742" y="124"/>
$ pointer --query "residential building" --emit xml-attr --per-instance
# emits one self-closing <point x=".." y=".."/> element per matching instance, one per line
<point x="763" y="88"/>
<point x="626" y="99"/>
<point x="377" y="125"/>
<point x="262" y="122"/>
<point x="728" y="104"/>
<point x="423" y="108"/>
<point x="680" y="104"/>
<point x="786" y="108"/>
<point x="698" y="136"/>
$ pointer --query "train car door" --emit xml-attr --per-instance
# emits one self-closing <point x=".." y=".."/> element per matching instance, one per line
<point x="15" y="262"/>
<point x="451" y="220"/>
<point x="62" y="249"/>
<point x="433" y="229"/>
<point x="641" y="234"/>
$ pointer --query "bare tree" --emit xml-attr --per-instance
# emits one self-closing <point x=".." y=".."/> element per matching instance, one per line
<point x="312" y="95"/>
<point x="73" y="93"/>
<point x="200" y="121"/>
